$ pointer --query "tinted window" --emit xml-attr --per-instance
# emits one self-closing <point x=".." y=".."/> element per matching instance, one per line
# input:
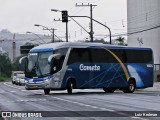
<point x="133" y="56"/>
<point x="139" y="56"/>
<point x="79" y="55"/>
<point x="103" y="56"/>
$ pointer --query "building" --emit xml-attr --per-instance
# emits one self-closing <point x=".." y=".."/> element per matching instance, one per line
<point x="2" y="51"/>
<point x="143" y="19"/>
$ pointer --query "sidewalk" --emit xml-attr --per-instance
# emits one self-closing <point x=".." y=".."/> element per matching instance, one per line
<point x="156" y="87"/>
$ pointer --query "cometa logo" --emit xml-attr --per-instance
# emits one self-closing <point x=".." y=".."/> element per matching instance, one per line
<point x="89" y="68"/>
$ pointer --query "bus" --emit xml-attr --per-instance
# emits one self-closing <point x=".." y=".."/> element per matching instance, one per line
<point x="77" y="65"/>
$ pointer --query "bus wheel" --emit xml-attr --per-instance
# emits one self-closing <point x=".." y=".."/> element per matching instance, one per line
<point x="70" y="87"/>
<point x="46" y="91"/>
<point x="109" y="90"/>
<point x="131" y="87"/>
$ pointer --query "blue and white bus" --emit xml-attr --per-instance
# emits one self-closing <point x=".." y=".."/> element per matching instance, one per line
<point x="76" y="65"/>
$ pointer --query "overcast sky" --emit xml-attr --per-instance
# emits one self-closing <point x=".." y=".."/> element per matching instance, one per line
<point x="19" y="16"/>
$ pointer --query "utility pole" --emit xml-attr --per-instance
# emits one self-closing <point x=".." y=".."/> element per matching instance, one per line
<point x="98" y="23"/>
<point x="91" y="17"/>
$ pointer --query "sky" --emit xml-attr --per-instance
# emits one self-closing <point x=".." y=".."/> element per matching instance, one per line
<point x="19" y="16"/>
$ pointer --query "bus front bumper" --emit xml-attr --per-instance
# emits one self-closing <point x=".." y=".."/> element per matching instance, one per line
<point x="37" y="85"/>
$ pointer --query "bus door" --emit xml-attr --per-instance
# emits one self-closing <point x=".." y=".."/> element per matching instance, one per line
<point x="78" y="63"/>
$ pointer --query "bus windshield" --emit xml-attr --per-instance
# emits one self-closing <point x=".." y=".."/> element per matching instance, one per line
<point x="38" y="64"/>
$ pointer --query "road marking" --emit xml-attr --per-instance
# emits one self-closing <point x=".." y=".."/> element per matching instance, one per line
<point x="23" y="90"/>
<point x="12" y="91"/>
<point x="82" y="104"/>
<point x="26" y="100"/>
<point x="95" y="107"/>
<point x="139" y="118"/>
<point x="11" y="86"/>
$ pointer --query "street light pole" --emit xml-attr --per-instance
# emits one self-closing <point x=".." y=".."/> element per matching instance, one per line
<point x="51" y="30"/>
<point x="37" y="36"/>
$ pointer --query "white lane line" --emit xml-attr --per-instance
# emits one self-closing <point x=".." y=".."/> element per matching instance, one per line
<point x="82" y="104"/>
<point x="11" y="86"/>
<point x="12" y="91"/>
<point x="23" y="90"/>
<point x="101" y="108"/>
<point x="139" y="118"/>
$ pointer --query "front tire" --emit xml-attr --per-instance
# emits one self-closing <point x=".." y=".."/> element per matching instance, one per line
<point x="131" y="87"/>
<point x="46" y="91"/>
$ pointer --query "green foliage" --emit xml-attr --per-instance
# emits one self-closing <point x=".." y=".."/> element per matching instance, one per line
<point x="2" y="79"/>
<point x="120" y="41"/>
<point x="98" y="41"/>
<point x="5" y="65"/>
<point x="15" y="65"/>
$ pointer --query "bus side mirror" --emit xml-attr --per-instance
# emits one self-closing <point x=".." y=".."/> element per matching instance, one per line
<point x="21" y="59"/>
<point x="50" y="58"/>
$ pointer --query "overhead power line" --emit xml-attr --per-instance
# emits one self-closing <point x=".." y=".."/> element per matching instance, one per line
<point x="91" y="17"/>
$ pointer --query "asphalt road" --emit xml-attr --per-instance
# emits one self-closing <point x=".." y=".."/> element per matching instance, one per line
<point x="91" y="103"/>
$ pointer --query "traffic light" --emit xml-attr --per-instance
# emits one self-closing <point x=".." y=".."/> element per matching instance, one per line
<point x="64" y="16"/>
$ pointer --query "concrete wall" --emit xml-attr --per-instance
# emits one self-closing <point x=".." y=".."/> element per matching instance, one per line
<point x="143" y="16"/>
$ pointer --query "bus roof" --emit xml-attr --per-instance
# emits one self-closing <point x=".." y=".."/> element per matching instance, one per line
<point x="53" y="46"/>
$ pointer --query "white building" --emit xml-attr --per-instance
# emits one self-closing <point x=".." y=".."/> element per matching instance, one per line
<point x="143" y="18"/>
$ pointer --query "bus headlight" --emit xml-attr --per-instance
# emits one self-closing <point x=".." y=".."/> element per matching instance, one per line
<point x="46" y="81"/>
<point x="26" y="81"/>
<point x="56" y="79"/>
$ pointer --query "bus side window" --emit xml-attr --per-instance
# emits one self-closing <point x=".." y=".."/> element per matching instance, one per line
<point x="61" y="60"/>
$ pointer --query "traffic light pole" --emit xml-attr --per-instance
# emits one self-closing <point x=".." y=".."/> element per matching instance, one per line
<point x="66" y="31"/>
<point x="99" y="23"/>
<point x="65" y="19"/>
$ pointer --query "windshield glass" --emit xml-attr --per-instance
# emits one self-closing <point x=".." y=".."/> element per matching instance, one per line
<point x="38" y="63"/>
<point x="44" y="67"/>
<point x="32" y="59"/>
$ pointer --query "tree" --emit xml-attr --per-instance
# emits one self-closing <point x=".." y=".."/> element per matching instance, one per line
<point x="120" y="41"/>
<point x="5" y="65"/>
<point x="15" y="65"/>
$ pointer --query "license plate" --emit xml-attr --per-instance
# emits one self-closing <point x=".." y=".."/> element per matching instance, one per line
<point x="35" y="86"/>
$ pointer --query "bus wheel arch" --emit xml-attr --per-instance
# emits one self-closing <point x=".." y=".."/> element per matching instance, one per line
<point x="71" y="84"/>
<point x="131" y="86"/>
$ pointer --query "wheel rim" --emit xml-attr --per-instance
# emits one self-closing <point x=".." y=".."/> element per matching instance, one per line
<point x="71" y="85"/>
<point x="131" y="87"/>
